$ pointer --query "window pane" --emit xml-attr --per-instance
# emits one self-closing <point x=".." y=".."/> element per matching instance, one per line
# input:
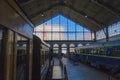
<point x="79" y="28"/>
<point x="80" y="36"/>
<point x="93" y="37"/>
<point x="114" y="29"/>
<point x="63" y="23"/>
<point x="71" y="26"/>
<point x="80" y="45"/>
<point x="55" y="45"/>
<point x="64" y="45"/>
<point x="47" y="26"/>
<point x="63" y="36"/>
<point x="100" y="34"/>
<point x="87" y="36"/>
<point x="71" y="45"/>
<point x="47" y="36"/>
<point x="71" y="36"/>
<point x="66" y="36"/>
<point x="55" y="23"/>
<point x="55" y="36"/>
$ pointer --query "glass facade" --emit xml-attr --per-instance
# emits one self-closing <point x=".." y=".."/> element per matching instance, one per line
<point x="114" y="29"/>
<point x="101" y="34"/>
<point x="62" y="28"/>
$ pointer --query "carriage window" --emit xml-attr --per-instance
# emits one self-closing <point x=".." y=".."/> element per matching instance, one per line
<point x="116" y="51"/>
<point x="103" y="51"/>
<point x="21" y="58"/>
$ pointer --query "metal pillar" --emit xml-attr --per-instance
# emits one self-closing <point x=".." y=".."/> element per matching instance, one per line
<point x="60" y="49"/>
<point x="107" y="35"/>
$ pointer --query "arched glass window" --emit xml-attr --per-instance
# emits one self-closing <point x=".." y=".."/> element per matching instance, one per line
<point x="72" y="48"/>
<point x="71" y="45"/>
<point x="56" y="48"/>
<point x="64" y="45"/>
<point x="80" y="45"/>
<point x="64" y="48"/>
<point x="55" y="45"/>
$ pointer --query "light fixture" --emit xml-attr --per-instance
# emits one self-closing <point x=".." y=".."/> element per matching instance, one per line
<point x="86" y="16"/>
<point x="42" y="15"/>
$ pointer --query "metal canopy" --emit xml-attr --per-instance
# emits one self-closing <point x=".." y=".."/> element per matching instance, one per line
<point x="93" y="14"/>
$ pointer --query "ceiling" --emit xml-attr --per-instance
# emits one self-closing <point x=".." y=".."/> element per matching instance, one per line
<point x="93" y="14"/>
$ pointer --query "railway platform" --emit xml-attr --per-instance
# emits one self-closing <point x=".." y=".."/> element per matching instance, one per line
<point x="79" y="71"/>
<point x="58" y="70"/>
<point x="65" y="69"/>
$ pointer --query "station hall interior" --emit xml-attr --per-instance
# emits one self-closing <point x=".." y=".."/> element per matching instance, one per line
<point x="59" y="39"/>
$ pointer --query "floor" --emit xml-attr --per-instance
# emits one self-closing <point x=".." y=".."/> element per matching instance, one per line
<point x="57" y="71"/>
<point x="79" y="71"/>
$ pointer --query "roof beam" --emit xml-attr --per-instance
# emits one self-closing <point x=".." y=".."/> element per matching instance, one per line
<point x="25" y="2"/>
<point x="106" y="7"/>
<point x="71" y="7"/>
<point x="82" y="13"/>
<point x="44" y="10"/>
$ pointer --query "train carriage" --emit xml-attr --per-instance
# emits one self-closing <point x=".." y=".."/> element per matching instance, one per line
<point x="16" y="37"/>
<point x="105" y="54"/>
<point x="14" y="29"/>
<point x="41" y="59"/>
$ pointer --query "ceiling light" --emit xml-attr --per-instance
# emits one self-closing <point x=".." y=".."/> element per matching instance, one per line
<point x="42" y="15"/>
<point x="86" y="16"/>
